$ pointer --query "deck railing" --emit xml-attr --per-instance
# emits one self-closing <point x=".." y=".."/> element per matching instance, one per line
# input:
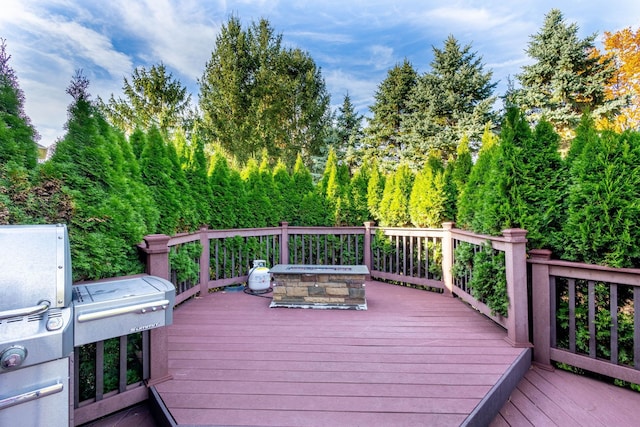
<point x="586" y="316"/>
<point x="109" y="375"/>
<point x="567" y="298"/>
<point x="414" y="256"/>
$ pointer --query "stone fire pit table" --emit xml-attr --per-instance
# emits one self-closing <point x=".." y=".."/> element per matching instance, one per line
<point x="319" y="286"/>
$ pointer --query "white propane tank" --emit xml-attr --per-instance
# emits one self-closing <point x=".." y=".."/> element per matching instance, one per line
<point x="259" y="277"/>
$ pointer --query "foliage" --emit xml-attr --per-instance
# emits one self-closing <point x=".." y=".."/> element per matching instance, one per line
<point x="427" y="202"/>
<point x="375" y="189"/>
<point x="605" y="181"/>
<point x="185" y="262"/>
<point x="394" y="205"/>
<point x="347" y="134"/>
<point x="152" y="98"/>
<point x="452" y="101"/>
<point x="255" y="95"/>
<point x="623" y="47"/>
<point x="481" y="271"/>
<point x="110" y="214"/>
<point x="566" y="79"/>
<point x="472" y="204"/>
<point x="17" y="135"/>
<point x="382" y="135"/>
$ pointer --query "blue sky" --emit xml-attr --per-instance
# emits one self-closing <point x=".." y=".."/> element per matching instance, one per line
<point x="354" y="42"/>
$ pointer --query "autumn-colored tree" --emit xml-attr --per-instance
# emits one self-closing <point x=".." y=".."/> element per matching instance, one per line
<point x="624" y="48"/>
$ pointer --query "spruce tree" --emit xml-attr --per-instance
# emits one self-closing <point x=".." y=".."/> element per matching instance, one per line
<point x="452" y="101"/>
<point x="566" y="79"/>
<point x="382" y="135"/>
<point x="348" y="132"/>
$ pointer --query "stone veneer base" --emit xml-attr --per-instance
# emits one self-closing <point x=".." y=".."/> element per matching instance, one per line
<point x="319" y="286"/>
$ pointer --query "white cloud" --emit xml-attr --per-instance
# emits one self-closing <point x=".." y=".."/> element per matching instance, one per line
<point x="382" y="57"/>
<point x="180" y="34"/>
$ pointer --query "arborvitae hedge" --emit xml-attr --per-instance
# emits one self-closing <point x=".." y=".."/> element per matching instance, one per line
<point x="604" y="200"/>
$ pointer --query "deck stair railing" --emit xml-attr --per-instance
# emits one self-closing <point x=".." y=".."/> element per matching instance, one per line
<point x="586" y="316"/>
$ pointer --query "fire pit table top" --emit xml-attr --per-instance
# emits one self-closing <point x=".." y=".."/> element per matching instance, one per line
<point x="319" y="269"/>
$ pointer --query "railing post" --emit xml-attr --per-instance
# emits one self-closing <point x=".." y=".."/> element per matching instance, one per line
<point x="157" y="250"/>
<point x="284" y="242"/>
<point x="204" y="261"/>
<point x="541" y="307"/>
<point x="516" y="275"/>
<point x="447" y="258"/>
<point x="367" y="246"/>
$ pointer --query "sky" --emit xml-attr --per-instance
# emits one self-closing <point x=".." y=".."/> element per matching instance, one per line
<point x="354" y="42"/>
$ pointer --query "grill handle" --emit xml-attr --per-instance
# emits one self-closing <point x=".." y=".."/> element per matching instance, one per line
<point x="26" y="311"/>
<point x="30" y="395"/>
<point x="139" y="308"/>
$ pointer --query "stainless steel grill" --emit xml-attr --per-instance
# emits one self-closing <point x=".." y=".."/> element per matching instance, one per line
<point x="36" y="326"/>
<point x="43" y="317"/>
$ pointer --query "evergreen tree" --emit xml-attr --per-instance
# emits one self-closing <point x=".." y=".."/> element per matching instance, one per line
<point x="348" y="130"/>
<point x="258" y="201"/>
<point x="375" y="189"/>
<point x="283" y="199"/>
<point x="382" y="135"/>
<point x="358" y="197"/>
<point x="603" y="207"/>
<point x="449" y="103"/>
<point x="17" y="135"/>
<point x="256" y="95"/>
<point x="152" y="98"/>
<point x="198" y="182"/>
<point x="567" y="78"/>
<point x="471" y="201"/>
<point x="227" y="195"/>
<point x="108" y="219"/>
<point x="427" y="202"/>
<point x="302" y="188"/>
<point x="394" y="205"/>
<point x="156" y="167"/>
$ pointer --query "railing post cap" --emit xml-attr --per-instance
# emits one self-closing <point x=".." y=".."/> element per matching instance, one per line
<point x="541" y="254"/>
<point x="156" y="243"/>
<point x="448" y="225"/>
<point x="515" y="235"/>
<point x="284" y="223"/>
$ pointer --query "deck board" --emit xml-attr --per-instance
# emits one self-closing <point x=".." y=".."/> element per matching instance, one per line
<point x="412" y="358"/>
<point x="560" y="398"/>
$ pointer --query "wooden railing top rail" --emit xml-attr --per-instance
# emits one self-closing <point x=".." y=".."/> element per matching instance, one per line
<point x="598" y="273"/>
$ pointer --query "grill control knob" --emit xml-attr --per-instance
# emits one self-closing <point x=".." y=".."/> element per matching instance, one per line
<point x="12" y="357"/>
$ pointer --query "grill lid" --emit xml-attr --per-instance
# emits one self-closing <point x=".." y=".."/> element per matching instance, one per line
<point x="35" y="268"/>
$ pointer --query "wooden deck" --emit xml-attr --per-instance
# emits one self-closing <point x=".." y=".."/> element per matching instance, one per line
<point x="560" y="398"/>
<point x="413" y="358"/>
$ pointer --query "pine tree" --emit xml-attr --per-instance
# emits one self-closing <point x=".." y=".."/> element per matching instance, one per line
<point x="452" y="101"/>
<point x="566" y="79"/>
